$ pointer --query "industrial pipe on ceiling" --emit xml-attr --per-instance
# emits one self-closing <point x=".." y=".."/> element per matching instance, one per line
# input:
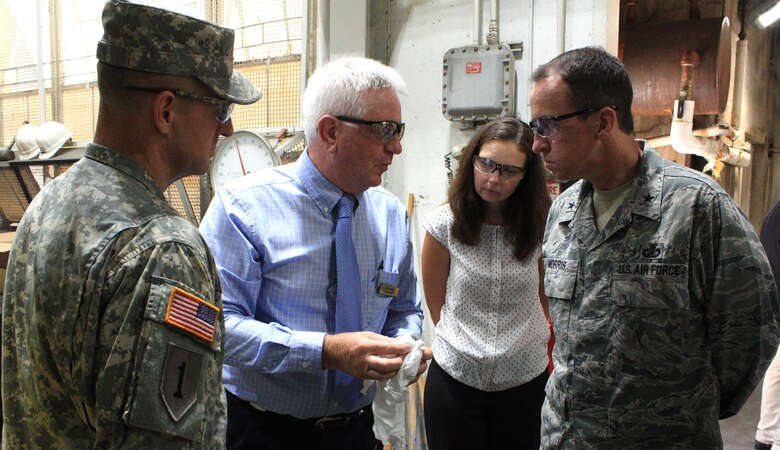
<point x="477" y="23"/>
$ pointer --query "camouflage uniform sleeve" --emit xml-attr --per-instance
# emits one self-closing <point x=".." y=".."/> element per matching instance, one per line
<point x="732" y="279"/>
<point x="159" y="353"/>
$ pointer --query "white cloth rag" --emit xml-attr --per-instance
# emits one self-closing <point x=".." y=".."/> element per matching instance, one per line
<point x="390" y="401"/>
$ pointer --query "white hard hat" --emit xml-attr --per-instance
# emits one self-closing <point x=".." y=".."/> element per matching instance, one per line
<point x="51" y="136"/>
<point x="26" y="145"/>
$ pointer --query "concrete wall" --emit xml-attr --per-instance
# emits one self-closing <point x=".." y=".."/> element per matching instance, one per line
<point x="413" y="36"/>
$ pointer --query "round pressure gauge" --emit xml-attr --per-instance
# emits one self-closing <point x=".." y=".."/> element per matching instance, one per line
<point x="240" y="154"/>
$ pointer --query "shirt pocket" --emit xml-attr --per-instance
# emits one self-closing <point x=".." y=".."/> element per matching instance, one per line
<point x="176" y="370"/>
<point x="387" y="284"/>
<point x="560" y="278"/>
<point x="385" y="288"/>
<point x="651" y="286"/>
<point x="649" y="315"/>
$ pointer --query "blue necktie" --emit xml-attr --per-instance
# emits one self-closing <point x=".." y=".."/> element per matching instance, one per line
<point x="348" y="294"/>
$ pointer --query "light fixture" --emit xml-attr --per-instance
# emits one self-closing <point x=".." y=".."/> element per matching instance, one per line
<point x="769" y="16"/>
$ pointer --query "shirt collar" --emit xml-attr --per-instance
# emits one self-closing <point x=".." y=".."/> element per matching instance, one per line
<point x="644" y="197"/>
<point x="122" y="163"/>
<point x="649" y="183"/>
<point x="324" y="193"/>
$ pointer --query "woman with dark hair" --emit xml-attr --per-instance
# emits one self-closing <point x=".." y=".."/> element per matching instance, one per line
<point x="481" y="270"/>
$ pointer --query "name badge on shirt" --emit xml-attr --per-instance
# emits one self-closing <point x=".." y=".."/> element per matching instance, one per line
<point x="387" y="282"/>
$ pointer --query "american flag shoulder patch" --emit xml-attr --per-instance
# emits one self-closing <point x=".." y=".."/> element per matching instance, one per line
<point x="192" y="314"/>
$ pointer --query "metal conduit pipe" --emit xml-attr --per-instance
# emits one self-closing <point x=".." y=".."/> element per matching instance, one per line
<point x="561" y="26"/>
<point x="492" y="36"/>
<point x="477" y="22"/>
<point x="323" y="32"/>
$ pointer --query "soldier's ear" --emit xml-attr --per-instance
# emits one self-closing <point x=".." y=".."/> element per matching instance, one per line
<point x="607" y="118"/>
<point x="163" y="111"/>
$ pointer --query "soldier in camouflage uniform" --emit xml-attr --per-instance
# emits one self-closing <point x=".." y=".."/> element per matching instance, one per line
<point x="112" y="322"/>
<point x="662" y="301"/>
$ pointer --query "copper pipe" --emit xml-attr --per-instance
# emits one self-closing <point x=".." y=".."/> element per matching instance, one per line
<point x="652" y="52"/>
<point x="688" y="63"/>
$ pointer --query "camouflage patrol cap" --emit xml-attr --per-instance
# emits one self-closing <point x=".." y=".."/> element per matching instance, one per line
<point x="151" y="39"/>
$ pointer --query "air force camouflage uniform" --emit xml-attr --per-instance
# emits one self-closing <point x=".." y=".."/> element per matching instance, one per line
<point x="665" y="320"/>
<point x="112" y="320"/>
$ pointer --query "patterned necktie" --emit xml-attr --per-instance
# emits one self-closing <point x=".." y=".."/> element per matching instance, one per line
<point x="348" y="294"/>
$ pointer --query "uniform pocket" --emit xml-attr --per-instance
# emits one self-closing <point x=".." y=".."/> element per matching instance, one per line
<point x="176" y="363"/>
<point x="560" y="278"/>
<point x="647" y="334"/>
<point x="650" y="286"/>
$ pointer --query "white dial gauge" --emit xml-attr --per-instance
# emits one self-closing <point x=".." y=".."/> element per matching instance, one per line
<point x="240" y="154"/>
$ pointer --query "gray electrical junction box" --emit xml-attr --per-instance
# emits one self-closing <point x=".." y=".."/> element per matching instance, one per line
<point x="479" y="83"/>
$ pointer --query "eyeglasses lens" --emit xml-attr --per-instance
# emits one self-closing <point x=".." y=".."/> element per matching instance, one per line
<point x="512" y="172"/>
<point x="488" y="166"/>
<point x="386" y="130"/>
<point x="224" y="111"/>
<point x="544" y="127"/>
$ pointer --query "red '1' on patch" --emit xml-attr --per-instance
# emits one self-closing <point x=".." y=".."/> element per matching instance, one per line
<point x="474" y="67"/>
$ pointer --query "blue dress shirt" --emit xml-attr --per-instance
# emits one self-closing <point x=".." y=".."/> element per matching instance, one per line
<point x="272" y="235"/>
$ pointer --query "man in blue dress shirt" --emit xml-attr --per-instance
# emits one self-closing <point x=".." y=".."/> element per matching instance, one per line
<point x="272" y="234"/>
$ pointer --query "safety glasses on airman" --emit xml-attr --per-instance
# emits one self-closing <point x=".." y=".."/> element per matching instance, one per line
<point x="549" y="126"/>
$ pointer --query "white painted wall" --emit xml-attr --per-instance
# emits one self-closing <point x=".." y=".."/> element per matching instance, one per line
<point x="414" y="38"/>
<point x="343" y="30"/>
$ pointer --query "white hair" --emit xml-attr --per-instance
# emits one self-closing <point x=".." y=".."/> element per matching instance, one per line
<point x="336" y="88"/>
